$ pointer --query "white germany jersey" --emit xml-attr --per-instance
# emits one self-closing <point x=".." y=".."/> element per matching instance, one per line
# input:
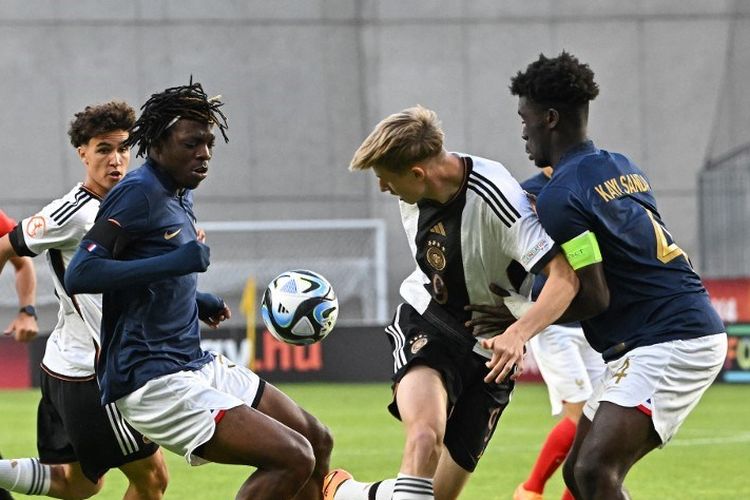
<point x="58" y="228"/>
<point x="462" y="246"/>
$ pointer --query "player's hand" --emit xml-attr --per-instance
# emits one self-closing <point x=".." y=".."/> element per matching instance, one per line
<point x="495" y="318"/>
<point x="507" y="356"/>
<point x="215" y="319"/>
<point x="24" y="328"/>
<point x="193" y="256"/>
<point x="200" y="235"/>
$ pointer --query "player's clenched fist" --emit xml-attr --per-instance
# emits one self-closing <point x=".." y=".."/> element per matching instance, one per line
<point x="193" y="256"/>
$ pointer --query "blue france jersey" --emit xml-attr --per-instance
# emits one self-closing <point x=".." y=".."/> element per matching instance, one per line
<point x="655" y="296"/>
<point x="152" y="330"/>
<point x="534" y="185"/>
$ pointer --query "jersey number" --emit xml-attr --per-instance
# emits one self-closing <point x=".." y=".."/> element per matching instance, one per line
<point x="665" y="251"/>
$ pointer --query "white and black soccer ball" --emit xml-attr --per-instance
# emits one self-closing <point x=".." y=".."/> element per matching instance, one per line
<point x="299" y="307"/>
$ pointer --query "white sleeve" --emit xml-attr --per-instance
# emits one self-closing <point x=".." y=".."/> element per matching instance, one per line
<point x="51" y="228"/>
<point x="525" y="240"/>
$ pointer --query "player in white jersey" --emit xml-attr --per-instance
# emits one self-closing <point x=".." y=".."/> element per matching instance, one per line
<point x="466" y="220"/>
<point x="24" y="326"/>
<point x="79" y="440"/>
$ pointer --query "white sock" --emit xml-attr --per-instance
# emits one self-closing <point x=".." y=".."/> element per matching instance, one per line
<point x="25" y="475"/>
<point x="354" y="490"/>
<point x="413" y="488"/>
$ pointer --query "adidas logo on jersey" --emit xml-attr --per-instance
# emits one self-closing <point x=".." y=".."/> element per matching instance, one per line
<point x="438" y="228"/>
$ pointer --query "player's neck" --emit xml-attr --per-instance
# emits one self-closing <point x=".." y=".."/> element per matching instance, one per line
<point x="95" y="188"/>
<point x="448" y="174"/>
<point x="565" y="142"/>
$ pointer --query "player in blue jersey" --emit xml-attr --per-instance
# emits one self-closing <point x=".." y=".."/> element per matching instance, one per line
<point x="661" y="339"/>
<point x="144" y="254"/>
<point x="571" y="368"/>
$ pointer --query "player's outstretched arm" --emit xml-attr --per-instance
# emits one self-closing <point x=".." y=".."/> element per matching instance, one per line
<point x="24" y="327"/>
<point x="93" y="270"/>
<point x="508" y="349"/>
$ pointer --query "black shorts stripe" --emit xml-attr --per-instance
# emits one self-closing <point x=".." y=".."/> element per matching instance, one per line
<point x="399" y="339"/>
<point x="494" y="188"/>
<point x="124" y="438"/>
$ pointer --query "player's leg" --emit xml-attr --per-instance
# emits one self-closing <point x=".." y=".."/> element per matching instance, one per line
<point x="101" y="440"/>
<point x="30" y="477"/>
<point x="147" y="477"/>
<point x="4" y="494"/>
<point x="340" y="485"/>
<point x="279" y="406"/>
<point x="245" y="436"/>
<point x="643" y="399"/>
<point x="617" y="439"/>
<point x="210" y="415"/>
<point x="56" y="472"/>
<point x="450" y="478"/>
<point x="582" y="429"/>
<point x="422" y="403"/>
<point x="424" y="386"/>
<point x="562" y="355"/>
<point x="471" y="424"/>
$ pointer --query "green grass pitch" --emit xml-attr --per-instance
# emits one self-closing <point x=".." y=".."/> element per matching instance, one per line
<point x="709" y="458"/>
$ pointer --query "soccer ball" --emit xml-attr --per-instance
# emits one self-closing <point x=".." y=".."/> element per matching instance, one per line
<point x="299" y="307"/>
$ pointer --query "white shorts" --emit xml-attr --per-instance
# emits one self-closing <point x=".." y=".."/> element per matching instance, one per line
<point x="570" y="367"/>
<point x="179" y="411"/>
<point x="664" y="380"/>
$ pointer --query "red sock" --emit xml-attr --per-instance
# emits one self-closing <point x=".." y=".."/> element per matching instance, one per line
<point x="553" y="453"/>
<point x="567" y="495"/>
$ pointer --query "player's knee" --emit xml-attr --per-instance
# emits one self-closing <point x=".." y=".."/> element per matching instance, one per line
<point x="301" y="462"/>
<point x="81" y="489"/>
<point x="153" y="484"/>
<point x="424" y="441"/>
<point x="592" y="475"/>
<point x="321" y="439"/>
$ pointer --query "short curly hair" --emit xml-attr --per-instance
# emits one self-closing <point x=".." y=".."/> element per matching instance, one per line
<point x="100" y="119"/>
<point x="562" y="81"/>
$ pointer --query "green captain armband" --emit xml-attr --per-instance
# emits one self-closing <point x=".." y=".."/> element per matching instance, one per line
<point x="582" y="251"/>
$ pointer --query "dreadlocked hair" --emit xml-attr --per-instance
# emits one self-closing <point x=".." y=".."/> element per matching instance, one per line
<point x="562" y="80"/>
<point x="162" y="110"/>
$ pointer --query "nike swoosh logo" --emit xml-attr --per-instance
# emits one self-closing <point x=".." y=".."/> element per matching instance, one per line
<point x="169" y="236"/>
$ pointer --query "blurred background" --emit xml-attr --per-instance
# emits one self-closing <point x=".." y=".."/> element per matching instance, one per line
<point x="305" y="81"/>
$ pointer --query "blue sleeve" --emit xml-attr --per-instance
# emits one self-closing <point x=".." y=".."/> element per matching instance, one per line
<point x="93" y="270"/>
<point x="562" y="213"/>
<point x="123" y="216"/>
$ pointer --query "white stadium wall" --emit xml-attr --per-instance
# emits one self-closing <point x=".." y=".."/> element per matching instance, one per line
<point x="304" y="81"/>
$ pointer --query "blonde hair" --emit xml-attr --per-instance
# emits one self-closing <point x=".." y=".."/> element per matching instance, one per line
<point x="401" y="140"/>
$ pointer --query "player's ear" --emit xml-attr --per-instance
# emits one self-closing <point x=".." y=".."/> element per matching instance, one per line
<point x="551" y="118"/>
<point x="81" y="150"/>
<point x="418" y="172"/>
